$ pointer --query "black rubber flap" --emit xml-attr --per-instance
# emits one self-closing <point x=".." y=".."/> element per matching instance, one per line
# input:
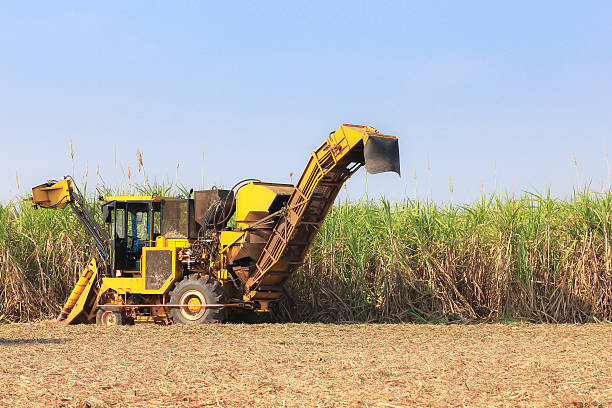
<point x="381" y="154"/>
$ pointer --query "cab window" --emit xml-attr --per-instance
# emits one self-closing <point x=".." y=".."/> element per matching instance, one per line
<point x="119" y="223"/>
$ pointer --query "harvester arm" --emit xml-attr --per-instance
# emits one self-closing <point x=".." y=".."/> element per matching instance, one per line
<point x="59" y="194"/>
<point x="338" y="158"/>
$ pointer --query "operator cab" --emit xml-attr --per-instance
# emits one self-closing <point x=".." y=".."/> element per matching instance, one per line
<point x="132" y="224"/>
<point x="135" y="222"/>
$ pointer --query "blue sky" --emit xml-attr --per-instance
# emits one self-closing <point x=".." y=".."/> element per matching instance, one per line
<point x="499" y="94"/>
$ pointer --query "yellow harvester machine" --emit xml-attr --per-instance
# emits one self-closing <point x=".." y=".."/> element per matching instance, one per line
<point x="167" y="259"/>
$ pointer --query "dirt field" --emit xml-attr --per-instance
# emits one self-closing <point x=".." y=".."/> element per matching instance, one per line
<point x="306" y="365"/>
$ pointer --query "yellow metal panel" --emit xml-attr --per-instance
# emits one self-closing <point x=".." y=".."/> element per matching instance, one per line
<point x="124" y="285"/>
<point x="250" y="198"/>
<point x="174" y="275"/>
<point x="174" y="243"/>
<point x="254" y="199"/>
<point x="130" y="198"/>
<point x="137" y="198"/>
<point x="80" y="304"/>
<point x="227" y="238"/>
<point x="54" y="196"/>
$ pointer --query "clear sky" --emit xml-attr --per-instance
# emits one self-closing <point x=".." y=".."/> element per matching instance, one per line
<point x="503" y="94"/>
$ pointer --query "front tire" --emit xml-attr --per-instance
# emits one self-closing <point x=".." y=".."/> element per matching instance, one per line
<point x="196" y="291"/>
<point x="109" y="317"/>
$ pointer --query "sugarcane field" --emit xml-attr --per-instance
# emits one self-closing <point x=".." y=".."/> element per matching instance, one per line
<point x="320" y="204"/>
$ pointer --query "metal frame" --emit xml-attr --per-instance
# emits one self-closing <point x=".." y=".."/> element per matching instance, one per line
<point x="329" y="166"/>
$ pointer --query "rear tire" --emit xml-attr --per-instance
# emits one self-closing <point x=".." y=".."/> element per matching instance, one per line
<point x="196" y="290"/>
<point x="109" y="317"/>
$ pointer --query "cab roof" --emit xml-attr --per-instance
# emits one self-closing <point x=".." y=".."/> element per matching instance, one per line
<point x="137" y="198"/>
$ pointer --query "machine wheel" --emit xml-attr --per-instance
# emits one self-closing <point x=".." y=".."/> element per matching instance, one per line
<point x="195" y="291"/>
<point x="109" y="317"/>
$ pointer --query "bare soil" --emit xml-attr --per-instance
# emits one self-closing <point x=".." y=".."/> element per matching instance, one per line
<point x="312" y="365"/>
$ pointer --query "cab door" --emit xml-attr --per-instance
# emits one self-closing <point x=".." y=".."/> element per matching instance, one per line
<point x="138" y="234"/>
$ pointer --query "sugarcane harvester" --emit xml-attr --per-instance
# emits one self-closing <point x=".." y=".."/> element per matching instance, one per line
<point x="166" y="259"/>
